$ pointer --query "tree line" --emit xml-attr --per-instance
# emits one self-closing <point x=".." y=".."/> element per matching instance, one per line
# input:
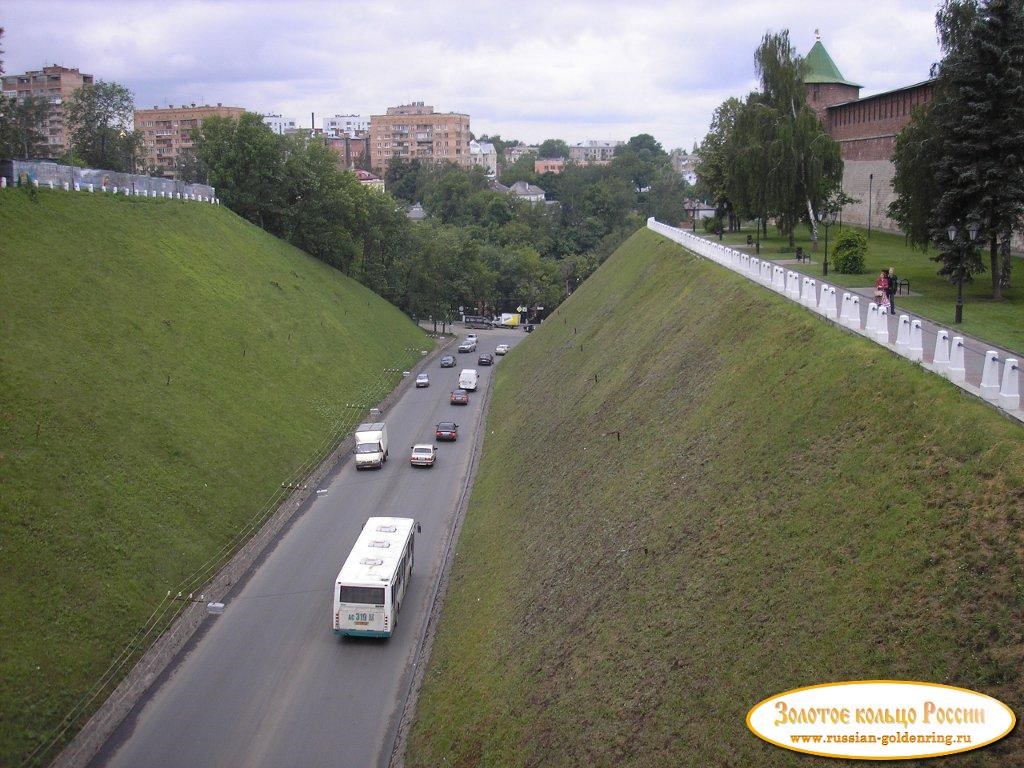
<point x="479" y="248"/>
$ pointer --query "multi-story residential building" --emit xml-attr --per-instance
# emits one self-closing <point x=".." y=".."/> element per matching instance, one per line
<point x="348" y="149"/>
<point x="415" y="132"/>
<point x="484" y="154"/>
<point x="167" y="131"/>
<point x="594" y="152"/>
<point x="54" y="84"/>
<point x="353" y="126"/>
<point x="685" y="164"/>
<point x="281" y="125"/>
<point x="549" y="165"/>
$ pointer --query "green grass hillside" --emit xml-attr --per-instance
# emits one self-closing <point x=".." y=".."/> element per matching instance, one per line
<point x="694" y="495"/>
<point x="163" y="368"/>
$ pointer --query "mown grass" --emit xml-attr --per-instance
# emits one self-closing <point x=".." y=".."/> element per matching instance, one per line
<point x="998" y="322"/>
<point x="164" y="367"/>
<point x="783" y="504"/>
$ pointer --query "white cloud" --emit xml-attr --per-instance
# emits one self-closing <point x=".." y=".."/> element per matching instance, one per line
<point x="530" y="70"/>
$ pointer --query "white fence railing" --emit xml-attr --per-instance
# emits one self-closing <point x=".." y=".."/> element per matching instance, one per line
<point x="999" y="381"/>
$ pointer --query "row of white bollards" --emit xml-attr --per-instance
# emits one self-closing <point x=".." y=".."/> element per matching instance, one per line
<point x="66" y="186"/>
<point x="948" y="359"/>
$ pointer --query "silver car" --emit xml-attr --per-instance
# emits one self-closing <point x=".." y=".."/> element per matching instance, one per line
<point x="422" y="380"/>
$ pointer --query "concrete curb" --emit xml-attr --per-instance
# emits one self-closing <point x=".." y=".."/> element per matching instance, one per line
<point x="87" y="743"/>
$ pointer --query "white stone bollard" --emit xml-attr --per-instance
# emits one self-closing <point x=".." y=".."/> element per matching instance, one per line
<point x="78" y="187"/>
<point x="92" y="188"/>
<point x="3" y="182"/>
<point x="831" y="308"/>
<point x="940" y="361"/>
<point x="794" y="289"/>
<point x="844" y="309"/>
<point x="35" y="183"/>
<point x="916" y="349"/>
<point x="882" y="331"/>
<point x="51" y="184"/>
<point x="903" y="335"/>
<point x="871" y="326"/>
<point x="812" y="294"/>
<point x="990" y="377"/>
<point x="177" y="195"/>
<point x="855" y="312"/>
<point x="67" y="187"/>
<point x="1009" y="392"/>
<point x="956" y="370"/>
<point x="114" y="189"/>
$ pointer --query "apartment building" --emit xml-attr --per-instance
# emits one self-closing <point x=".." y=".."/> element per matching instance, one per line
<point x="281" y="125"/>
<point x="484" y="154"/>
<point x="353" y="126"/>
<point x="549" y="165"/>
<point x="594" y="152"/>
<point x="415" y="131"/>
<point x="167" y="131"/>
<point x="54" y="84"/>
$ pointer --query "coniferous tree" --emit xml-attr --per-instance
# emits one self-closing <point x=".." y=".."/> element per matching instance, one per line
<point x="979" y="112"/>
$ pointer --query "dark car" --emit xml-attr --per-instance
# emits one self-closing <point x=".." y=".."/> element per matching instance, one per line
<point x="448" y="361"/>
<point x="447" y="430"/>
<point x="460" y="397"/>
<point x="485" y="359"/>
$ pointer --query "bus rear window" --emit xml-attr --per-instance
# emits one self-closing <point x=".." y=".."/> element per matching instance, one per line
<point x="362" y="595"/>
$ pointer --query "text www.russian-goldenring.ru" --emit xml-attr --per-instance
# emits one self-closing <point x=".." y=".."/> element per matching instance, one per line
<point x="885" y="740"/>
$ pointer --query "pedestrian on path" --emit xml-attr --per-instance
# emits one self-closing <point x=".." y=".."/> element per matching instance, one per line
<point x="882" y="289"/>
<point x="891" y="291"/>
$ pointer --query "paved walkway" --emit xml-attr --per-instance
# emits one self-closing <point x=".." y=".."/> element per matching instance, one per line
<point x="974" y="349"/>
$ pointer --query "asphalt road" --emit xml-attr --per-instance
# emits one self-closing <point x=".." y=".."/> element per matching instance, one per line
<point x="268" y="683"/>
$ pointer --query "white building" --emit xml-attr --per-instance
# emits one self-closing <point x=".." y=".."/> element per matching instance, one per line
<point x="529" y="192"/>
<point x="353" y="126"/>
<point x="280" y="125"/>
<point x="594" y="152"/>
<point x="484" y="154"/>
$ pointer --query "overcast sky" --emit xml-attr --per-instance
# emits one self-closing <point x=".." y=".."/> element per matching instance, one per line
<point x="532" y="69"/>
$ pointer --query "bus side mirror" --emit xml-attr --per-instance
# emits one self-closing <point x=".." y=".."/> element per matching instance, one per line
<point x="419" y="528"/>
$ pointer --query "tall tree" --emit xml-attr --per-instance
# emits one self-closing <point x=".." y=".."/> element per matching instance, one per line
<point x="808" y="162"/>
<point x="245" y="162"/>
<point x="979" y="112"/>
<point x="915" y="159"/>
<point x="101" y="118"/>
<point x="22" y="124"/>
<point x="551" y="148"/>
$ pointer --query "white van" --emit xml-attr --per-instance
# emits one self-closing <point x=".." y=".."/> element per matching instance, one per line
<point x="468" y="379"/>
<point x="371" y="445"/>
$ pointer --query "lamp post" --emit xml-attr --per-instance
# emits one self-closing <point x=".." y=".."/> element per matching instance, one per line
<point x="827" y="220"/>
<point x="757" y="241"/>
<point x="693" y="217"/>
<point x="972" y="233"/>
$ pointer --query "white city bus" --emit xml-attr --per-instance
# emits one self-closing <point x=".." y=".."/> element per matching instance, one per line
<point x="370" y="587"/>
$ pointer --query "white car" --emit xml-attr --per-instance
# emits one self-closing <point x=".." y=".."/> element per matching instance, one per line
<point x="501" y="349"/>
<point x="472" y="337"/>
<point x="422" y="380"/>
<point x="423" y="455"/>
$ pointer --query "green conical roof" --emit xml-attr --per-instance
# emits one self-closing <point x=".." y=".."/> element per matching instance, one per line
<point x="821" y="68"/>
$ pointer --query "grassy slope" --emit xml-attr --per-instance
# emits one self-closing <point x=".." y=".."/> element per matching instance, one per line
<point x="178" y="364"/>
<point x="787" y="505"/>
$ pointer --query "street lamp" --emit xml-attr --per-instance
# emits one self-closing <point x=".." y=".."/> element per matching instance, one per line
<point x="972" y="232"/>
<point x="827" y="220"/>
<point x="693" y="216"/>
<point x="757" y="243"/>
